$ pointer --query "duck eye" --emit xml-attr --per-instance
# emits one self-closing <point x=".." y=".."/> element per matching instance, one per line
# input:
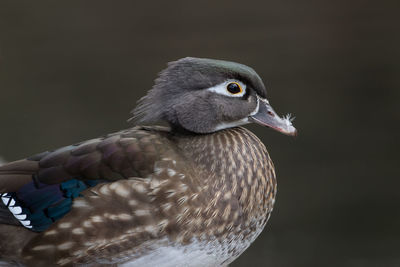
<point x="234" y="88"/>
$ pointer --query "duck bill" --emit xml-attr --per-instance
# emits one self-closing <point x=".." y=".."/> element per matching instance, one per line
<point x="266" y="116"/>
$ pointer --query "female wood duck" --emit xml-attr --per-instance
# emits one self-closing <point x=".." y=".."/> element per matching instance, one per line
<point x="195" y="194"/>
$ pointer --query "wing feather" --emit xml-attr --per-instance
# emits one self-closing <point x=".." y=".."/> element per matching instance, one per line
<point x="53" y="179"/>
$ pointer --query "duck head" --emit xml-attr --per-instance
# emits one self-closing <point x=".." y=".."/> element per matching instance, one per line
<point x="202" y="95"/>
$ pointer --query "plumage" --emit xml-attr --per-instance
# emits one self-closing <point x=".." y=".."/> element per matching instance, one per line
<point x="194" y="194"/>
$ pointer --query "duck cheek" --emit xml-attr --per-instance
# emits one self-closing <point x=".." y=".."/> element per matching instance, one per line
<point x="235" y="111"/>
<point x="197" y="119"/>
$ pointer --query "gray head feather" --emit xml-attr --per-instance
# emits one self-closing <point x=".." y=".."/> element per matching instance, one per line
<point x="179" y="98"/>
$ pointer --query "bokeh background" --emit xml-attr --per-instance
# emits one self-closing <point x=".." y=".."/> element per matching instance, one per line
<point x="73" y="70"/>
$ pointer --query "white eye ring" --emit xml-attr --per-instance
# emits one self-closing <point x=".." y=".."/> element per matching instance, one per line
<point x="222" y="88"/>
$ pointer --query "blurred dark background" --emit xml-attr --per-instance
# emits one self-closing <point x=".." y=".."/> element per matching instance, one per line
<point x="73" y="70"/>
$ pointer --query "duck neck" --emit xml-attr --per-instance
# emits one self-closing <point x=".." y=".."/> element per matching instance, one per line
<point x="236" y="162"/>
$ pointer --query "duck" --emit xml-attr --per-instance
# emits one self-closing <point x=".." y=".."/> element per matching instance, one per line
<point x="196" y="192"/>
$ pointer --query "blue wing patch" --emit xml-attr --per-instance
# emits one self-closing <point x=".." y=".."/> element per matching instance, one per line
<point x="37" y="205"/>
